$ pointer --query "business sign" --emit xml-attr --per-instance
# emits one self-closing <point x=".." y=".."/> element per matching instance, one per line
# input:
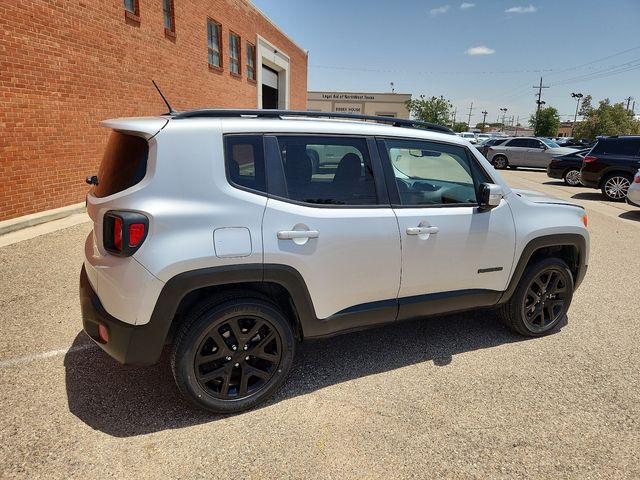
<point x="348" y="107"/>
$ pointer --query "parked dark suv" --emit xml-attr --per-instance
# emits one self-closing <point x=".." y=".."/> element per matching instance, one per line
<point x="610" y="166"/>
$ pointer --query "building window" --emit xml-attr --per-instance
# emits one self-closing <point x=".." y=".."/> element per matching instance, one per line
<point x="169" y="19"/>
<point x="132" y="10"/>
<point x="234" y="53"/>
<point x="214" y="30"/>
<point x="251" y="62"/>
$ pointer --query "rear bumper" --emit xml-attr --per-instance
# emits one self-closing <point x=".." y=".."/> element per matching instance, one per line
<point x="128" y="344"/>
<point x="555" y="172"/>
<point x="589" y="179"/>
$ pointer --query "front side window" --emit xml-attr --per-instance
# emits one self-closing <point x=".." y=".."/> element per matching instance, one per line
<point x="518" y="142"/>
<point x="548" y="143"/>
<point x="234" y="53"/>
<point x="533" y="143"/>
<point x="429" y="173"/>
<point x="215" y="43"/>
<point x="244" y="158"/>
<point x="327" y="170"/>
<point x="251" y="61"/>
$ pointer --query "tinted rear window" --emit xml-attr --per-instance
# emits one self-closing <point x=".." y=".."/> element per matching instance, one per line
<point x="618" y="146"/>
<point x="123" y="165"/>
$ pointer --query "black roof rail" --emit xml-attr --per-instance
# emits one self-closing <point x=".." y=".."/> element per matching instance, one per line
<point x="226" y="113"/>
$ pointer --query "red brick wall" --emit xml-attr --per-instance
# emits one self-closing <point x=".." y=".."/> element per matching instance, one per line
<point x="66" y="65"/>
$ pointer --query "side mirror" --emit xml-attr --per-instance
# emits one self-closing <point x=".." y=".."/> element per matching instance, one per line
<point x="489" y="196"/>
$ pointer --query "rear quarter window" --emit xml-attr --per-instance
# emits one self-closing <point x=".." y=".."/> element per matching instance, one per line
<point x="124" y="164"/>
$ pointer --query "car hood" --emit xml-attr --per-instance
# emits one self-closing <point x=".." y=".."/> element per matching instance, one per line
<point x="537" y="197"/>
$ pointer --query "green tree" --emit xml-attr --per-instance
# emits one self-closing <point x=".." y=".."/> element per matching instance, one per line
<point x="607" y="119"/>
<point x="547" y="122"/>
<point x="460" y="127"/>
<point x="433" y="109"/>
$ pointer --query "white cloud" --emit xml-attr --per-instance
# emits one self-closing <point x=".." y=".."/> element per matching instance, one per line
<point x="482" y="50"/>
<point x="440" y="10"/>
<point x="529" y="9"/>
<point x="465" y="5"/>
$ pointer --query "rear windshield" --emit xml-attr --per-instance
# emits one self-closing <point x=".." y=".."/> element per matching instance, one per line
<point x="123" y="165"/>
<point x="619" y="146"/>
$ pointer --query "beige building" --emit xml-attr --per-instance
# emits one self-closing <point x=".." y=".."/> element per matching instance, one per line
<point x="383" y="104"/>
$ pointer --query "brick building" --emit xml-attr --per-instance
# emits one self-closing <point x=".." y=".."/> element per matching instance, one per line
<point x="64" y="66"/>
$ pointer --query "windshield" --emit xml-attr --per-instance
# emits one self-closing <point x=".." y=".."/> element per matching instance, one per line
<point x="549" y="143"/>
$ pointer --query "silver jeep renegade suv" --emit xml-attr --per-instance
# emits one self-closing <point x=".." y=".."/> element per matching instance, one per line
<point x="234" y="235"/>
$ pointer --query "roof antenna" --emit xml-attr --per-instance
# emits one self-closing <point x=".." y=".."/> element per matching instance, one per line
<point x="171" y="110"/>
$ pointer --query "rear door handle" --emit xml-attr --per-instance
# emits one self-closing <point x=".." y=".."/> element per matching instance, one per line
<point x="296" y="234"/>
<point x="422" y="230"/>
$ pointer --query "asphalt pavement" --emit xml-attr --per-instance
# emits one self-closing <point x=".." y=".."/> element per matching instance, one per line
<point x="447" y="397"/>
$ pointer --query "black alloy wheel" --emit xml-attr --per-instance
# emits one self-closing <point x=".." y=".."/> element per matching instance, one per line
<point x="541" y="299"/>
<point x="232" y="353"/>
<point x="237" y="357"/>
<point x="544" y="301"/>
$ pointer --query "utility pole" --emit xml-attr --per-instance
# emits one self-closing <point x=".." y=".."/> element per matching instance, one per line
<point x="484" y="118"/>
<point x="517" y="122"/>
<point x="469" y="121"/>
<point x="455" y="112"/>
<point x="539" y="102"/>
<point x="628" y="99"/>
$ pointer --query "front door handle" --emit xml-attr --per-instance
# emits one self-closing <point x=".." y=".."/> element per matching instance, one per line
<point x="297" y="234"/>
<point x="422" y="230"/>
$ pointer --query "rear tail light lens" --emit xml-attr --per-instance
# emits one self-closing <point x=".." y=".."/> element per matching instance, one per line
<point x="589" y="159"/>
<point x="637" y="179"/>
<point x="585" y="221"/>
<point x="136" y="234"/>
<point x="124" y="232"/>
<point x="555" y="160"/>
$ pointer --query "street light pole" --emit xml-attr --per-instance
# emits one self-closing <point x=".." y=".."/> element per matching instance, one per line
<point x="504" y="112"/>
<point x="577" y="96"/>
<point x="484" y="117"/>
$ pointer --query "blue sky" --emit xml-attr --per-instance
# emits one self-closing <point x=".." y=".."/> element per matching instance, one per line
<point x="489" y="52"/>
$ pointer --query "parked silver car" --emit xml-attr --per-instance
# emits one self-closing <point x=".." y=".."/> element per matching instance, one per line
<point x="633" y="194"/>
<point x="525" y="152"/>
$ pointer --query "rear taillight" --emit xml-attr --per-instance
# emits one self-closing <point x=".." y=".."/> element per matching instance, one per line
<point x="637" y="179"/>
<point x="589" y="159"/>
<point x="124" y="232"/>
<point x="555" y="160"/>
<point x="136" y="234"/>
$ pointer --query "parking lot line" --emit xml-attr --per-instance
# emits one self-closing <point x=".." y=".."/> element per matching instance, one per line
<point x="15" y="361"/>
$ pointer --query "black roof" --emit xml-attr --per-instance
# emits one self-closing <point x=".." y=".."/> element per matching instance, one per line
<point x="227" y="113"/>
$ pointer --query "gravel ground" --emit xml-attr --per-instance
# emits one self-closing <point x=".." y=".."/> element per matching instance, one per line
<point x="448" y="397"/>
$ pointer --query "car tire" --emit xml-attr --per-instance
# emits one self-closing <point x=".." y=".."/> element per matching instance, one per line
<point x="572" y="177"/>
<point x="500" y="162"/>
<point x="229" y="355"/>
<point x="541" y="300"/>
<point x="615" y="186"/>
